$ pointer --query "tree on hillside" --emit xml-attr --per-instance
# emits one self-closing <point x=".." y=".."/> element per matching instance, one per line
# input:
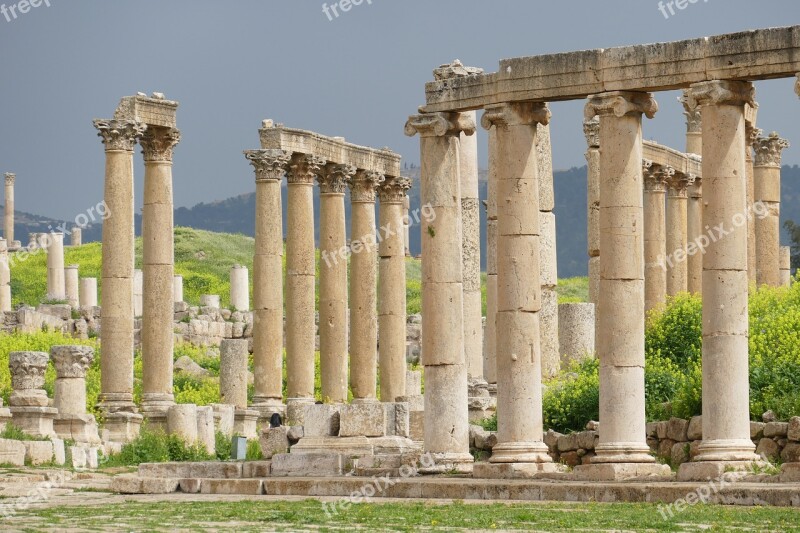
<point x="794" y="233"/>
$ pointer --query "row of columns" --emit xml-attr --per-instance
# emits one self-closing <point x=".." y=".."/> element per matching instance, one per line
<point x="366" y="301"/>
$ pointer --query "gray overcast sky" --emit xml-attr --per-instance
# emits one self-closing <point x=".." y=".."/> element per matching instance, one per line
<point x="232" y="64"/>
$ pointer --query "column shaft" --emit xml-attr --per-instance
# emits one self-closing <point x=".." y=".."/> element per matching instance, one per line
<point x="677" y="205"/>
<point x="591" y="129"/>
<point x="56" y="284"/>
<point x="655" y="238"/>
<point x="8" y="216"/>
<point x="766" y="214"/>
<point x="490" y="337"/>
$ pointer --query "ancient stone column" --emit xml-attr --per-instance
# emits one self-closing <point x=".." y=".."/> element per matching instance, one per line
<point x="233" y="374"/>
<point x="785" y="262"/>
<point x="548" y="263"/>
<point x="138" y="293"/>
<point x="446" y="409"/>
<point x="71" y="284"/>
<point x="677" y="200"/>
<point x="407" y="225"/>
<point x="28" y="401"/>
<point x="270" y="167"/>
<point x="8" y="217"/>
<point x="5" y="278"/>
<point x="56" y="286"/>
<point x="240" y="288"/>
<point x="655" y="239"/>
<point x="726" y="409"/>
<point x="490" y="335"/>
<point x="519" y="299"/>
<point x="752" y="133"/>
<point x="622" y="450"/>
<point x="363" y="286"/>
<point x="766" y="215"/>
<point x="69" y="393"/>
<point x="392" y="289"/>
<point x="177" y="289"/>
<point x="158" y="260"/>
<point x="76" y="237"/>
<point x="333" y="282"/>
<point x="694" y="209"/>
<point x="300" y="277"/>
<point x="577" y="335"/>
<point x="591" y="129"/>
<point x="116" y="364"/>
<point x="88" y="292"/>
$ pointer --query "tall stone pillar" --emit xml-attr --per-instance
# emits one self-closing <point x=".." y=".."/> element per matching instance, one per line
<point x="363" y="287"/>
<point x="116" y="365"/>
<point x="333" y="282"/>
<point x="392" y="290"/>
<point x="446" y="409"/>
<point x="87" y="294"/>
<point x="677" y="204"/>
<point x="76" y="237"/>
<point x="655" y="238"/>
<point x="158" y="260"/>
<point x="56" y="286"/>
<point x="767" y="174"/>
<point x="591" y="128"/>
<point x="71" y="284"/>
<point x="5" y="278"/>
<point x="752" y="133"/>
<point x="726" y="409"/>
<point x="490" y="336"/>
<point x="240" y="288"/>
<point x="548" y="263"/>
<point x="622" y="450"/>
<point x="519" y="299"/>
<point x="694" y="209"/>
<point x="300" y="277"/>
<point x="8" y="217"/>
<point x="407" y="225"/>
<point x="270" y="167"/>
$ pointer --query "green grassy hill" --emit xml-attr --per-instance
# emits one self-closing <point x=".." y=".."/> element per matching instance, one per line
<point x="204" y="259"/>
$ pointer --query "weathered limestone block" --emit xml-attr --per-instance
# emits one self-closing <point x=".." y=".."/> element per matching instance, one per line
<point x="245" y="423"/>
<point x="274" y="441"/>
<point x="205" y="429"/>
<point x="768" y="449"/>
<point x="793" y="432"/>
<point x="12" y="452"/>
<point x="322" y="420"/>
<point x="677" y="430"/>
<point x="233" y="372"/>
<point x="224" y="418"/>
<point x="695" y="430"/>
<point x="182" y="421"/>
<point x="776" y="429"/>
<point x="210" y="300"/>
<point x="307" y="465"/>
<point x="38" y="452"/>
<point x="413" y="383"/>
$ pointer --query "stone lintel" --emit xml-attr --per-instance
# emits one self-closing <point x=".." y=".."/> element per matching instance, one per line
<point x="334" y="150"/>
<point x="153" y="111"/>
<point x="664" y="156"/>
<point x="752" y="55"/>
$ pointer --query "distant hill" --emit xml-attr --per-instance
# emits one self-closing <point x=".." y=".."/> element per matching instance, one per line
<point x="237" y="215"/>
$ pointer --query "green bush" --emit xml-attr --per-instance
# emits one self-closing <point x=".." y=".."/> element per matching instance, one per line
<point x="223" y="447"/>
<point x="156" y="447"/>
<point x="573" y="398"/>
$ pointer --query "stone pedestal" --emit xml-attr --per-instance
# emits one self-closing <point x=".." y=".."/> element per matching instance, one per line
<point x="333" y="282"/>
<point x="56" y="286"/>
<point x="620" y="345"/>
<point x="245" y="422"/>
<point x="72" y="422"/>
<point x="519" y="303"/>
<point x="121" y="427"/>
<point x="240" y="288"/>
<point x="300" y="276"/>
<point x="71" y="284"/>
<point x="392" y="290"/>
<point x="363" y="286"/>
<point x="8" y="217"/>
<point x="576" y="335"/>
<point x="28" y="401"/>
<point x="726" y="419"/>
<point x="655" y="235"/>
<point x="158" y="255"/>
<point x="270" y="167"/>
<point x="767" y="168"/>
<point x="446" y="410"/>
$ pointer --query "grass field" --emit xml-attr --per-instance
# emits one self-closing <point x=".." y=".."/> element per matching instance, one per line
<point x="310" y="515"/>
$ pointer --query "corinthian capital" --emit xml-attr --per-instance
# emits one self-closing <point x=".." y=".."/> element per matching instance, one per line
<point x="72" y="361"/>
<point x="10" y="178"/>
<point x="694" y="118"/>
<point x="333" y="179"/>
<point x="393" y="190"/>
<point x="270" y="165"/>
<point x="724" y="92"/>
<point x="158" y="144"/>
<point x="119" y="134"/>
<point x="440" y="124"/>
<point x="654" y="179"/>
<point x="516" y="114"/>
<point x="678" y="184"/>
<point x="27" y="370"/>
<point x="797" y="85"/>
<point x="620" y="104"/>
<point x="364" y="186"/>
<point x="304" y="168"/>
<point x="769" y="150"/>
<point x="591" y="128"/>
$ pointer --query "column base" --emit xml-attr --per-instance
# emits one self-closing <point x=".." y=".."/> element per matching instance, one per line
<point x="267" y="407"/>
<point x="35" y="421"/>
<point x="446" y="463"/>
<point x="116" y="402"/>
<point x="121" y="427"/>
<point x="622" y="471"/>
<point x="711" y="470"/>
<point x="79" y="428"/>
<point x="623" y="453"/>
<point x="520" y="452"/>
<point x="726" y="450"/>
<point x="515" y="470"/>
<point x="155" y="407"/>
<point x="364" y="401"/>
<point x="245" y="423"/>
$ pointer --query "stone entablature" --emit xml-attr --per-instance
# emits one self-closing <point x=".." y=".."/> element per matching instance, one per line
<point x="752" y="55"/>
<point x="664" y="156"/>
<point x="151" y="110"/>
<point x="334" y="150"/>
